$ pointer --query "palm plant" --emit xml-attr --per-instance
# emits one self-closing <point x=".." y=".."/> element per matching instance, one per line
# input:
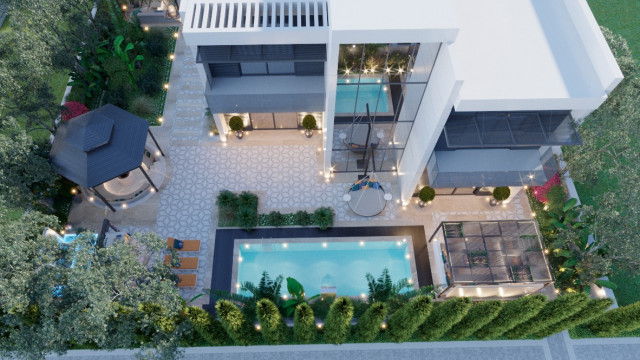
<point x="382" y="288"/>
<point x="267" y="288"/>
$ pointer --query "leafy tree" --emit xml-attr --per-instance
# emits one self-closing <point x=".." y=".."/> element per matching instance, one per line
<point x="296" y="291"/>
<point x="304" y="324"/>
<point x="553" y="311"/>
<point x="404" y="322"/>
<point x="369" y="323"/>
<point x="338" y="321"/>
<point x="235" y="323"/>
<point x="513" y="313"/>
<point x="594" y="308"/>
<point x="274" y="330"/>
<point x="443" y="317"/>
<point x="613" y="322"/>
<point x="479" y="314"/>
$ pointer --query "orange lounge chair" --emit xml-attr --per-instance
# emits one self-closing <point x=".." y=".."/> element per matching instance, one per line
<point x="186" y="263"/>
<point x="188" y="245"/>
<point x="186" y="280"/>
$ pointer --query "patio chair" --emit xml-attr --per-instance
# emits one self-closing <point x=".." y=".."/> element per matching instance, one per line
<point x="188" y="245"/>
<point x="186" y="280"/>
<point x="186" y="263"/>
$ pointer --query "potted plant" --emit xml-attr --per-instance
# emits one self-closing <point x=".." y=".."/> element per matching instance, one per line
<point x="309" y="123"/>
<point x="426" y="194"/>
<point x="500" y="194"/>
<point x="236" y="124"/>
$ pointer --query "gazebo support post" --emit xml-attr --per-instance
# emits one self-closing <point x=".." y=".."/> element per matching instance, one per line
<point x="148" y="178"/>
<point x="155" y="142"/>
<point x="103" y="199"/>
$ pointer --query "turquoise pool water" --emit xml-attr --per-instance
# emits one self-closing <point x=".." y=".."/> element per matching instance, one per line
<point x="342" y="265"/>
<point x="367" y="92"/>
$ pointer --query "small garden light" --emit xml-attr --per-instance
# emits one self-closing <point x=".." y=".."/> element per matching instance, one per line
<point x="124" y="7"/>
<point x="383" y="325"/>
<point x="175" y="35"/>
<point x="319" y="325"/>
<point x="91" y="198"/>
<point x="146" y="28"/>
<point x="172" y="56"/>
<point x="258" y="327"/>
<point x="74" y="191"/>
<point x="160" y="119"/>
<point x="124" y="206"/>
<point x="166" y="86"/>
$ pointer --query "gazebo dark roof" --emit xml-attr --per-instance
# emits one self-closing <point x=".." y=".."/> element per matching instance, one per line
<point x="98" y="146"/>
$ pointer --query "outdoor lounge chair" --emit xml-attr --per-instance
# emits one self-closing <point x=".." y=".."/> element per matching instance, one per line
<point x="188" y="245"/>
<point x="186" y="280"/>
<point x="186" y="263"/>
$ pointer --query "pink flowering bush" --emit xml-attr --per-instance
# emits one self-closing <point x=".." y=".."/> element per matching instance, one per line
<point x="72" y="109"/>
<point x="540" y="192"/>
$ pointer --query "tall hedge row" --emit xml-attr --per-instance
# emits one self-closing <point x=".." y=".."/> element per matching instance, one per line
<point x="553" y="311"/>
<point x="443" y="317"/>
<point x="338" y="322"/>
<point x="206" y="326"/>
<point x="591" y="310"/>
<point x="369" y="323"/>
<point x="272" y="326"/>
<point x="513" y="313"/>
<point x="236" y="324"/>
<point x="304" y="324"/>
<point x="480" y="314"/>
<point x="622" y="319"/>
<point x="404" y="322"/>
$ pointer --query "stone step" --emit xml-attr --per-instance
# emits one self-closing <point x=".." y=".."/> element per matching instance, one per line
<point x="180" y="133"/>
<point x="187" y="123"/>
<point x="190" y="112"/>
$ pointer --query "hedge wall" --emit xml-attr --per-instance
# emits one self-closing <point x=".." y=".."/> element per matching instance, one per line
<point x="443" y="317"/>
<point x="480" y="314"/>
<point x="338" y="322"/>
<point x="404" y="322"/>
<point x="513" y="313"/>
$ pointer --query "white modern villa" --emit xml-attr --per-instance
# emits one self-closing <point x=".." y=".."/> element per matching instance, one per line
<point x="461" y="94"/>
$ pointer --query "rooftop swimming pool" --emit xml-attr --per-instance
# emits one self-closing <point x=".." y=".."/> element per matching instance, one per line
<point x="325" y="265"/>
<point x="367" y="92"/>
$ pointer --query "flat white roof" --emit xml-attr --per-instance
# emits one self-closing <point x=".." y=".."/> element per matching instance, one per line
<point x="523" y="55"/>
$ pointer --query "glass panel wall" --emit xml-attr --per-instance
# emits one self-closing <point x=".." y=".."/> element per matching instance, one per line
<point x="389" y="80"/>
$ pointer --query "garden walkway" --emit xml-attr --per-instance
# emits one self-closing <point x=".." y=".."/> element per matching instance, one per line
<point x="557" y="347"/>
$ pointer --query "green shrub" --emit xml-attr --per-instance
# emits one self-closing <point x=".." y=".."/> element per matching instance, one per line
<point x="553" y="311"/>
<point x="443" y="317"/>
<point x="248" y="200"/>
<point x="369" y="323"/>
<point x="309" y="122"/>
<point x="427" y="194"/>
<point x="236" y="123"/>
<point x="338" y="322"/>
<point x="323" y="217"/>
<point x="593" y="309"/>
<point x="404" y="322"/>
<point x="480" y="314"/>
<point x="238" y="327"/>
<point x="208" y="327"/>
<point x="141" y="106"/>
<point x="149" y="82"/>
<point x="247" y="218"/>
<point x="117" y="97"/>
<point x="513" y="313"/>
<point x="274" y="330"/>
<point x="556" y="197"/>
<point x="227" y="200"/>
<point x="613" y="322"/>
<point x="156" y="43"/>
<point x="304" y="324"/>
<point x="77" y="94"/>
<point x="501" y="193"/>
<point x="302" y="218"/>
<point x="275" y="218"/>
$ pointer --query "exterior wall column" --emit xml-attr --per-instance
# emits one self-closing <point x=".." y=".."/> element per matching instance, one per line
<point x="331" y="81"/>
<point x="434" y="110"/>
<point x="222" y="126"/>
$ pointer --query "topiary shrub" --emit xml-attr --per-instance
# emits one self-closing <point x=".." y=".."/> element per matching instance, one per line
<point x="275" y="218"/>
<point x="443" y="317"/>
<point x="427" y="194"/>
<point x="323" y="218"/>
<point x="302" y="218"/>
<point x="248" y="200"/>
<point x="613" y="322"/>
<point x="338" y="322"/>
<point x="501" y="193"/>
<point x="156" y="43"/>
<point x="304" y="324"/>
<point x="593" y="309"/>
<point x="227" y="203"/>
<point x="553" y="311"/>
<point x="206" y="326"/>
<point x="238" y="327"/>
<point x="71" y="109"/>
<point x="236" y="123"/>
<point x="513" y="313"/>
<point x="247" y="218"/>
<point x="309" y="122"/>
<point x="369" y="323"/>
<point x="141" y="106"/>
<point x="404" y="322"/>
<point x="479" y="314"/>
<point x="272" y="326"/>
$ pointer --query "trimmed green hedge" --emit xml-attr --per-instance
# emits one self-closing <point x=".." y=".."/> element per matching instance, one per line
<point x="443" y="317"/>
<point x="304" y="324"/>
<point x="593" y="309"/>
<point x="611" y="323"/>
<point x="513" y="313"/>
<point x="338" y="323"/>
<point x="274" y="330"/>
<point x="404" y="322"/>
<point x="480" y="314"/>
<point x="369" y="323"/>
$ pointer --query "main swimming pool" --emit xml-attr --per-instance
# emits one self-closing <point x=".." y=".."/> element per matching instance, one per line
<point x="367" y="92"/>
<point x="323" y="265"/>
